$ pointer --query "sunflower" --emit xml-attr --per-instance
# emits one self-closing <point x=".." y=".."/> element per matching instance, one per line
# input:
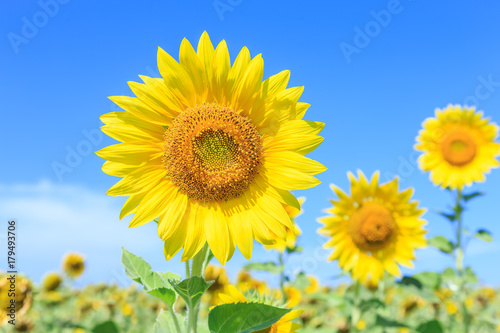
<point x="51" y="282"/>
<point x="212" y="150"/>
<point x="284" y="325"/>
<point x="73" y="264"/>
<point x="314" y="285"/>
<point x="374" y="229"/>
<point x="291" y="233"/>
<point x="458" y="147"/>
<point x="23" y="296"/>
<point x="220" y="281"/>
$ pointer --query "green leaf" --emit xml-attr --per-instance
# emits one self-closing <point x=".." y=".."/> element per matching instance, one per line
<point x="243" y="317"/>
<point x="373" y="303"/>
<point x="269" y="266"/>
<point x="296" y="249"/>
<point x="441" y="243"/>
<point x="470" y="196"/>
<point x="165" y="323"/>
<point x="106" y="327"/>
<point x="154" y="283"/>
<point x="470" y="276"/>
<point x="432" y="326"/>
<point x="484" y="235"/>
<point x="191" y="289"/>
<point x="381" y="321"/>
<point x="410" y="281"/>
<point x="449" y="276"/>
<point x="428" y="279"/>
<point x="448" y="216"/>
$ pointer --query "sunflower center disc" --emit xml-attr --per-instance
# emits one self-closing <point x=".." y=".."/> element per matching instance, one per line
<point x="458" y="148"/>
<point x="211" y="153"/>
<point x="371" y="227"/>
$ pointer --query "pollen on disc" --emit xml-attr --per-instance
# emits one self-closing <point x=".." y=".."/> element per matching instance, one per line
<point x="212" y="153"/>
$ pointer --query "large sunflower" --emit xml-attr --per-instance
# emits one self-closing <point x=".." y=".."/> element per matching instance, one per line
<point x="458" y="146"/>
<point x="212" y="150"/>
<point x="373" y="229"/>
<point x="291" y="234"/>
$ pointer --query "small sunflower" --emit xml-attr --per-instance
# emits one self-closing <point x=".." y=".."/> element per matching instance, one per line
<point x="374" y="229"/>
<point x="284" y="325"/>
<point x="314" y="285"/>
<point x="73" y="264"/>
<point x="291" y="233"/>
<point x="212" y="150"/>
<point x="51" y="282"/>
<point x="458" y="147"/>
<point x="23" y="296"/>
<point x="220" y="281"/>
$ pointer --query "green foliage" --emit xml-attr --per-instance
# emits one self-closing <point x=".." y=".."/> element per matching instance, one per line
<point x="430" y="280"/>
<point x="382" y="321"/>
<point x="243" y="317"/>
<point x="154" y="283"/>
<point x="467" y="197"/>
<point x="441" y="243"/>
<point x="269" y="266"/>
<point x="191" y="289"/>
<point x="106" y="327"/>
<point x="484" y="235"/>
<point x="432" y="326"/>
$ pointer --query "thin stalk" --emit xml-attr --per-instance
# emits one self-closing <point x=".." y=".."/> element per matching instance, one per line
<point x="174" y="318"/>
<point x="200" y="262"/>
<point x="459" y="260"/>
<point x="282" y="276"/>
<point x="356" y="313"/>
<point x="188" y="271"/>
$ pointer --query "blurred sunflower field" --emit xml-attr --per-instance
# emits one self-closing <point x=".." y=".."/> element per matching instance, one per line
<point x="219" y="156"/>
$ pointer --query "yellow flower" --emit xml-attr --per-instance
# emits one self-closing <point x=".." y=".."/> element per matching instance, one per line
<point x="458" y="147"/>
<point x="212" y="150"/>
<point x="220" y="281"/>
<point x="361" y="325"/>
<point x="313" y="284"/>
<point x="284" y="325"/>
<point x="127" y="309"/>
<point x="451" y="308"/>
<point x="469" y="302"/>
<point x="293" y="296"/>
<point x="291" y="233"/>
<point x="403" y="330"/>
<point x="73" y="264"/>
<point x="374" y="229"/>
<point x="51" y="282"/>
<point x="23" y="296"/>
<point x="498" y="328"/>
<point x="411" y="304"/>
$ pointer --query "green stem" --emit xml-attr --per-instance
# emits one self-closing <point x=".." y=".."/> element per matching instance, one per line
<point x="174" y="318"/>
<point x="282" y="277"/>
<point x="459" y="261"/>
<point x="356" y="312"/>
<point x="200" y="262"/>
<point x="188" y="271"/>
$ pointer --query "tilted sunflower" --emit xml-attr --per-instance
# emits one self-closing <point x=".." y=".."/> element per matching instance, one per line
<point x="373" y="229"/>
<point x="458" y="147"/>
<point x="73" y="264"/>
<point x="284" y="325"/>
<point x="212" y="150"/>
<point x="291" y="234"/>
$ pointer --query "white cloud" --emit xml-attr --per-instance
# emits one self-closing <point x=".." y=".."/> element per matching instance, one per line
<point x="54" y="219"/>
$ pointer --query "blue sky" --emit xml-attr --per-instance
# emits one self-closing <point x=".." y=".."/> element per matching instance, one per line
<point x="372" y="71"/>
